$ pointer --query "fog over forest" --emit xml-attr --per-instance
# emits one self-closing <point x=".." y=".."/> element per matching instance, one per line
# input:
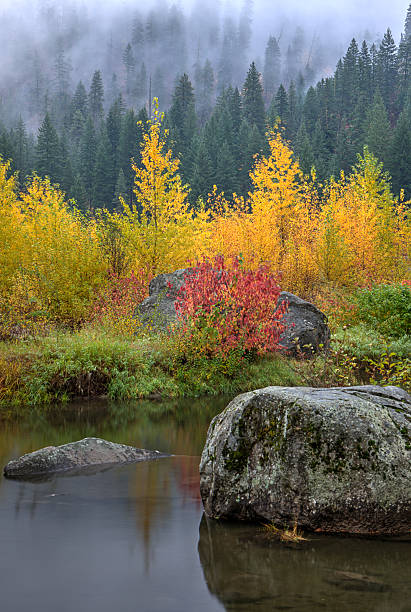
<point x="50" y="45"/>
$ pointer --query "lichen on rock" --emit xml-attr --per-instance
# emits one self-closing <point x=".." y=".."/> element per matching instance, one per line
<point x="336" y="460"/>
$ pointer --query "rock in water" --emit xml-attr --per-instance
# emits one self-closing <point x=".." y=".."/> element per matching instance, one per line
<point x="306" y="330"/>
<point x="74" y="456"/>
<point x="335" y="460"/>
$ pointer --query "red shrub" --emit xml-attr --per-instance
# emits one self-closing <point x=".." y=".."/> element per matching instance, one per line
<point x="226" y="308"/>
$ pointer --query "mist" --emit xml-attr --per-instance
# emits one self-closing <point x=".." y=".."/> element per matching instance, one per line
<point x="93" y="35"/>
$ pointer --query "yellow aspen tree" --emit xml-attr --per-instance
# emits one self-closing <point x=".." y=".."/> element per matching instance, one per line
<point x="366" y="214"/>
<point x="160" y="228"/>
<point x="11" y="219"/>
<point x="281" y="226"/>
<point x="331" y="253"/>
<point x="62" y="266"/>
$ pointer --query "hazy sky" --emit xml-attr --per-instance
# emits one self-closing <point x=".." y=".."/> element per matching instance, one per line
<point x="354" y="15"/>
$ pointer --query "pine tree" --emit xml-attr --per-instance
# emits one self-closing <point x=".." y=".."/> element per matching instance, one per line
<point x="387" y="70"/>
<point x="404" y="59"/>
<point x="304" y="149"/>
<point x="131" y="137"/>
<point x="62" y="70"/>
<point x="79" y="103"/>
<point x="129" y="65"/>
<point x="279" y="108"/>
<point x="399" y="156"/>
<point x="203" y="174"/>
<point x="88" y="150"/>
<point x="120" y="190"/>
<point x="48" y="155"/>
<point x="104" y="173"/>
<point x="253" y="102"/>
<point x="272" y="68"/>
<point x="182" y="120"/>
<point x="21" y="150"/>
<point x="378" y="130"/>
<point x="113" y="125"/>
<point x="96" y="97"/>
<point x="350" y="79"/>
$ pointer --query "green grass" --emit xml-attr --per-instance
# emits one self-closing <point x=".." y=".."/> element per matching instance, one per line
<point x="92" y="363"/>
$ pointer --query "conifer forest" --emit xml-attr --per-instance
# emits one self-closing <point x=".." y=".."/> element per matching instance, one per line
<point x="75" y="108"/>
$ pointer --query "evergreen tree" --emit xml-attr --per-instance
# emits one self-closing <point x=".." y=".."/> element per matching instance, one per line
<point x="62" y="70"/>
<point x="350" y="79"/>
<point x="96" y="97"/>
<point x="48" y="158"/>
<point x="253" y="102"/>
<point x="203" y="175"/>
<point x="304" y="149"/>
<point x="21" y="150"/>
<point x="310" y="110"/>
<point x="387" y="70"/>
<point x="399" y="156"/>
<point x="182" y="120"/>
<point x="279" y="108"/>
<point x="104" y="173"/>
<point x="88" y="150"/>
<point x="272" y="68"/>
<point x="377" y="129"/>
<point x="120" y="190"/>
<point x="79" y="103"/>
<point x="129" y="148"/>
<point x="129" y="65"/>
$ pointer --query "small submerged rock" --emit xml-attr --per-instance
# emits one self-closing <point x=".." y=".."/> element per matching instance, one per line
<point x="332" y="460"/>
<point x="77" y="456"/>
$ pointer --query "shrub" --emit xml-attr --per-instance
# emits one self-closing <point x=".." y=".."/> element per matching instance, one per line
<point x="386" y="308"/>
<point x="114" y="305"/>
<point x="227" y="312"/>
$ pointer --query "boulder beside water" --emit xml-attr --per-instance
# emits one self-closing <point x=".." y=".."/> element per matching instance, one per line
<point x="332" y="460"/>
<point x="306" y="330"/>
<point x="76" y="456"/>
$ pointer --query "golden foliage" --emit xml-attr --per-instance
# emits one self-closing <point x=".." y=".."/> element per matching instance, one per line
<point x="54" y="259"/>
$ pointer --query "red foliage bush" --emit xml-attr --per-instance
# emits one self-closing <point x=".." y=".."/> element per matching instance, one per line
<point x="227" y="308"/>
<point x="117" y="301"/>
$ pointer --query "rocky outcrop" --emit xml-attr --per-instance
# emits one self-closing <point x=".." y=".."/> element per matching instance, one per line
<point x="334" y="460"/>
<point x="81" y="455"/>
<point x="306" y="330"/>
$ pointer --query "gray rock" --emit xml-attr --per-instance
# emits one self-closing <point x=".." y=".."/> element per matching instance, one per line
<point x="334" y="460"/>
<point x="306" y="326"/>
<point x="306" y="330"/>
<point x="158" y="310"/>
<point x="77" y="456"/>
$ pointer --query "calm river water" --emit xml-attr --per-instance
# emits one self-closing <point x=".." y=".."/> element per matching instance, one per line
<point x="134" y="538"/>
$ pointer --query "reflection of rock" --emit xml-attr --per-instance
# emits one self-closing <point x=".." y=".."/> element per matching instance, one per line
<point x="247" y="571"/>
<point x="336" y="460"/>
<point x="84" y="454"/>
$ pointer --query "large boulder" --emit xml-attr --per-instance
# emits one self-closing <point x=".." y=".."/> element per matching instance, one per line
<point x="76" y="456"/>
<point x="306" y="330"/>
<point x="335" y="460"/>
<point x="158" y="310"/>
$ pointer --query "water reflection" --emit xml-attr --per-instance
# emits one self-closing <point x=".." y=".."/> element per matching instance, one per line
<point x="247" y="571"/>
<point x="126" y="537"/>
